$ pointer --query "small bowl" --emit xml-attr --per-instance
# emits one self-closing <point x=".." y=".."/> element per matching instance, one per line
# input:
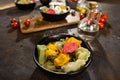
<point x="56" y="16"/>
<point x="45" y="2"/>
<point x="46" y="40"/>
<point x="29" y="6"/>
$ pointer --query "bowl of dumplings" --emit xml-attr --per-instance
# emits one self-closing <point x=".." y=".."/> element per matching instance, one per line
<point x="56" y="11"/>
<point x="25" y="4"/>
<point x="62" y="54"/>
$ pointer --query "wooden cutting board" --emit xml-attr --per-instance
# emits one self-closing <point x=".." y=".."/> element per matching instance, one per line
<point x="39" y="26"/>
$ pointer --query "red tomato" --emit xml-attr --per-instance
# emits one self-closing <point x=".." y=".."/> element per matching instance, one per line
<point x="14" y="25"/>
<point x="102" y="20"/>
<point x="105" y="16"/>
<point x="12" y="20"/>
<point x="82" y="15"/>
<point x="27" y="22"/>
<point x="101" y="25"/>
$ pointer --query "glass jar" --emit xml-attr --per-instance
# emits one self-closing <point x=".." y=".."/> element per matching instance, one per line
<point x="88" y="27"/>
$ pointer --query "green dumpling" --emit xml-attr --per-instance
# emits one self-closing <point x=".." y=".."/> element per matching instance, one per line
<point x="41" y="52"/>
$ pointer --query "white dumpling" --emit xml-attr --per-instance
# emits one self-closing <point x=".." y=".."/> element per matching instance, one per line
<point x="73" y="66"/>
<point x="58" y="10"/>
<point x="83" y="53"/>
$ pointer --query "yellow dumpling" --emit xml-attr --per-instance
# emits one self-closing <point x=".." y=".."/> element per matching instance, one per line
<point x="52" y="46"/>
<point x="61" y="59"/>
<point x="50" y="52"/>
<point x="72" y="39"/>
<point x="63" y="7"/>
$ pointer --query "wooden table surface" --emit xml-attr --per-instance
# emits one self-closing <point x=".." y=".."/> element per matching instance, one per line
<point x="16" y="49"/>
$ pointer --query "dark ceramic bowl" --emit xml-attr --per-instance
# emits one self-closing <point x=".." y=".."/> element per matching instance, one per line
<point x="45" y="2"/>
<point x="54" y="17"/>
<point x="46" y="40"/>
<point x="29" y="6"/>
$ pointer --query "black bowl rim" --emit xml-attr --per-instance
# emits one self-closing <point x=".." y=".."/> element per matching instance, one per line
<point x="25" y="4"/>
<point x="62" y="73"/>
<point x="29" y="6"/>
<point x="55" y="14"/>
<point x="15" y="1"/>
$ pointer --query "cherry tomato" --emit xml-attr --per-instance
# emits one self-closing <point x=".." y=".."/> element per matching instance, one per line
<point x="102" y="20"/>
<point x="12" y="20"/>
<point x="14" y="25"/>
<point x="101" y="25"/>
<point x="39" y="19"/>
<point x="27" y="22"/>
<point x="105" y="16"/>
<point x="82" y="15"/>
